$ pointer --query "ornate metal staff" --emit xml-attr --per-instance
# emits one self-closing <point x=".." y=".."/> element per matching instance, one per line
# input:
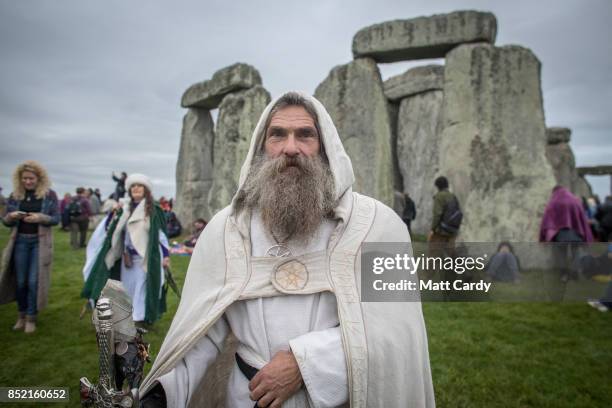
<point x="122" y="352"/>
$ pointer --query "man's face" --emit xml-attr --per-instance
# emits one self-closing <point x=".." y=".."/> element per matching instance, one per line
<point x="291" y="132"/>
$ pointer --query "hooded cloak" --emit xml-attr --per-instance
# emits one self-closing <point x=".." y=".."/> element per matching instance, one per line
<point x="564" y="210"/>
<point x="105" y="249"/>
<point x="385" y="344"/>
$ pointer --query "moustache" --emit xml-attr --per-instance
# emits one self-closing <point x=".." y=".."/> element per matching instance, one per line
<point x="284" y="163"/>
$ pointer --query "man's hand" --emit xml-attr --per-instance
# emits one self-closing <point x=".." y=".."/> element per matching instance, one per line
<point x="276" y="381"/>
<point x="430" y="236"/>
<point x="166" y="262"/>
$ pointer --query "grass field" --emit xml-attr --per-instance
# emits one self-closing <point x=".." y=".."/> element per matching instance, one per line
<point x="482" y="355"/>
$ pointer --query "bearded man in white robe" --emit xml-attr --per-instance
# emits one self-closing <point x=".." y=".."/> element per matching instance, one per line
<point x="280" y="269"/>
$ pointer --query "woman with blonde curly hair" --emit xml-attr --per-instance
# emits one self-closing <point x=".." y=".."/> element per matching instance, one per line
<point x="25" y="271"/>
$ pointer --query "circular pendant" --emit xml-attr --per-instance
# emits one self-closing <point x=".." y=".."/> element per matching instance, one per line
<point x="290" y="276"/>
<point x="279" y="251"/>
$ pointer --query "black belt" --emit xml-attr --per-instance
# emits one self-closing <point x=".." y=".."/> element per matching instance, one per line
<point x="246" y="369"/>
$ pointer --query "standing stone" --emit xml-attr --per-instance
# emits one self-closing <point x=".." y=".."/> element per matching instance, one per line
<point x="556" y="135"/>
<point x="414" y="81"/>
<point x="353" y="96"/>
<point x="399" y="202"/>
<point x="582" y="188"/>
<point x="423" y="37"/>
<point x="561" y="158"/>
<point x="493" y="141"/>
<point x="418" y="141"/>
<point x="418" y="95"/>
<point x="208" y="94"/>
<point x="238" y="115"/>
<point x="194" y="167"/>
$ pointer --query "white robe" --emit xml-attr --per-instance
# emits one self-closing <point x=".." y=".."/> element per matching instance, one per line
<point x="384" y="343"/>
<point x="134" y="279"/>
<point x="306" y="324"/>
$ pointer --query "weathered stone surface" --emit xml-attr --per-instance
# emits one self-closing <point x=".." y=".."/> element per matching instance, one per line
<point x="582" y="188"/>
<point x="561" y="158"/>
<point x="423" y="37"/>
<point x="353" y="95"/>
<point x="209" y="94"/>
<point x="556" y="135"/>
<point x="414" y="81"/>
<point x="595" y="170"/>
<point x="493" y="141"/>
<point x="238" y="115"/>
<point x="399" y="202"/>
<point x="418" y="140"/>
<point x="398" y="184"/>
<point x="194" y="166"/>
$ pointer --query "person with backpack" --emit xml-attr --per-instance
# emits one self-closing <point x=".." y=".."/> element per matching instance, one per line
<point x="447" y="215"/>
<point x="445" y="224"/>
<point x="79" y="212"/>
<point x="173" y="225"/>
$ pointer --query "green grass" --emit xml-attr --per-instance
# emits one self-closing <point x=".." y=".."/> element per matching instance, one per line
<point x="482" y="354"/>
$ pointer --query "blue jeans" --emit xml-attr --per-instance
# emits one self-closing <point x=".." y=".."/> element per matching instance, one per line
<point x="25" y="258"/>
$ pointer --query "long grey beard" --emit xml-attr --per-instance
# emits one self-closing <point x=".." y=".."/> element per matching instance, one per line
<point x="292" y="194"/>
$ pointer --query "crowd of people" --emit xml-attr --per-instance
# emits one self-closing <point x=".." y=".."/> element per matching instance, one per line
<point x="277" y="268"/>
<point x="33" y="208"/>
<point x="568" y="223"/>
<point x="125" y="228"/>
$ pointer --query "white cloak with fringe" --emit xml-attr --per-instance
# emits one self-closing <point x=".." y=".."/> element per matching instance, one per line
<point x="368" y="354"/>
<point x="134" y="279"/>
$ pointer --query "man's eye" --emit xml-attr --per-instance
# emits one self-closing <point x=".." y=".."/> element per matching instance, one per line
<point x="306" y="133"/>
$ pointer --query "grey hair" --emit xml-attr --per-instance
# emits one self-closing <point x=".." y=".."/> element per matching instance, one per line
<point x="293" y="99"/>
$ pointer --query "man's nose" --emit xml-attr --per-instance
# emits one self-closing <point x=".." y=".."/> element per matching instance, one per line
<point x="291" y="147"/>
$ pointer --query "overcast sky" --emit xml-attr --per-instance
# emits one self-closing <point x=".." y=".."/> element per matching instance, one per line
<point x="88" y="87"/>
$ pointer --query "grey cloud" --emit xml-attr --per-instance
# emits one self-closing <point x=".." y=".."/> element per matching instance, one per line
<point x="91" y="87"/>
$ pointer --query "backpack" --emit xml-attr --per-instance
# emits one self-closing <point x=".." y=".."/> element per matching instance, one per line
<point x="452" y="217"/>
<point x="173" y="225"/>
<point x="74" y="208"/>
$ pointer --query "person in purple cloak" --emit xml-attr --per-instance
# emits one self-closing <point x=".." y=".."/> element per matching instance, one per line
<point x="565" y="223"/>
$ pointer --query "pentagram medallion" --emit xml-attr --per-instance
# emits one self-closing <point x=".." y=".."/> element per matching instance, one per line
<point x="290" y="275"/>
<point x="279" y="251"/>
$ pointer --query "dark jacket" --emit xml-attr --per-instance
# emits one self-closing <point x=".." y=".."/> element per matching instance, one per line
<point x="604" y="214"/>
<point x="409" y="209"/>
<point x="85" y="207"/>
<point x="441" y="200"/>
